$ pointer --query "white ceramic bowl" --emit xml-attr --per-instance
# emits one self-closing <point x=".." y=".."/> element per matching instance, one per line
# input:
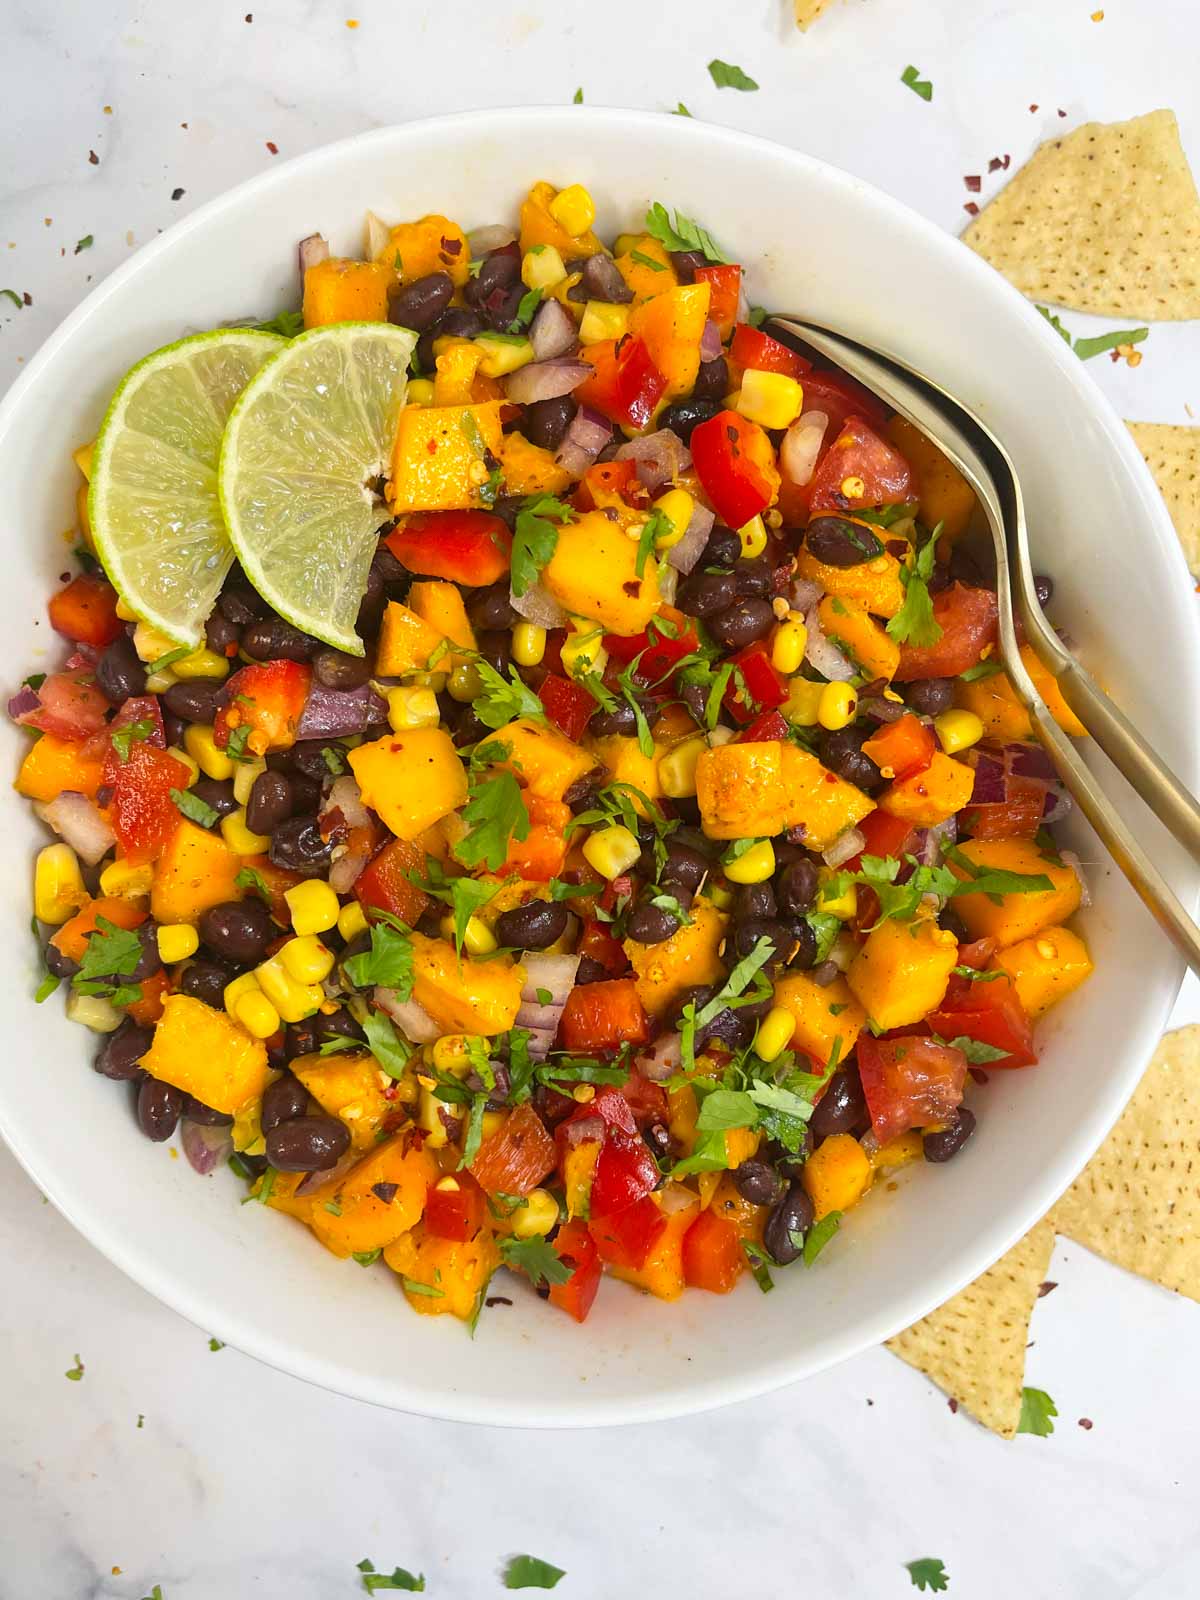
<point x="817" y="241"/>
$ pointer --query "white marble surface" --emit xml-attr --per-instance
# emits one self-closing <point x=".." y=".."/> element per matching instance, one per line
<point x="240" y="1482"/>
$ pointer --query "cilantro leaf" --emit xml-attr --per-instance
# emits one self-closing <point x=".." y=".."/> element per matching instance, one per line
<point x="429" y="1290"/>
<point x="827" y="928"/>
<point x="915" y="623"/>
<point x="495" y="813"/>
<point x="398" y="1578"/>
<point x="681" y="233"/>
<point x="760" y="1268"/>
<point x="982" y="669"/>
<point x="912" y="79"/>
<point x="530" y="1572"/>
<point x="726" y="76"/>
<point x="132" y="733"/>
<point x="976" y="1051"/>
<point x="655" y="525"/>
<point x="391" y="1051"/>
<point x="193" y="808"/>
<point x="76" y="1372"/>
<point x="1037" y="1408"/>
<point x="680" y="110"/>
<point x="1085" y="349"/>
<point x="287" y="324"/>
<point x="709" y="1154"/>
<point x="250" y="878"/>
<point x="464" y="896"/>
<point x="14" y="297"/>
<point x="388" y="963"/>
<point x="643" y="260"/>
<point x="535" y="538"/>
<point x="540" y="1261"/>
<point x="928" y="1573"/>
<point x="577" y="97"/>
<point x="994" y="880"/>
<point x="737" y="981"/>
<point x="529" y="303"/>
<point x="727" y="1108"/>
<point x="502" y="702"/>
<point x="111" y="952"/>
<point x="1054" y="322"/>
<point x="819" y="1235"/>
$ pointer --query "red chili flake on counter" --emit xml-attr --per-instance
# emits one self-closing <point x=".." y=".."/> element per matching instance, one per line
<point x="272" y="147"/>
<point x="249" y="16"/>
<point x="1061" y="112"/>
<point x="953" y="1404"/>
<point x="1086" y="1423"/>
<point x="972" y="208"/>
<point x="1045" y="1288"/>
<point x="27" y="297"/>
<point x="973" y="182"/>
<point x="93" y="158"/>
<point x="1033" y="108"/>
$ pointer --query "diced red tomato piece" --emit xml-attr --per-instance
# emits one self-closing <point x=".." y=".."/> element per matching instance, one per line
<point x="515" y="1158"/>
<point x="752" y="348"/>
<point x="766" y="727"/>
<point x="886" y="835"/>
<point x="1018" y="815"/>
<point x="902" y="748"/>
<point x="624" y="1173"/>
<point x="468" y="547"/>
<point x="149" y="1007"/>
<point x="384" y="884"/>
<point x="577" y="1249"/>
<point x="597" y="942"/>
<point x="977" y="955"/>
<point x="69" y="706"/>
<point x="909" y="1082"/>
<point x="455" y="1213"/>
<point x="603" y="1016"/>
<point x="567" y="704"/>
<point x="991" y="1012"/>
<point x="142" y="813"/>
<point x="840" y="396"/>
<point x="625" y="385"/>
<point x="268" y="698"/>
<point x="627" y="1237"/>
<point x="542" y="853"/>
<point x="713" y="1257"/>
<point x="860" y="469"/>
<point x="142" y="712"/>
<point x="610" y="483"/>
<point x="86" y="611"/>
<point x="725" y="288"/>
<point x="612" y="1108"/>
<point x="967" y="618"/>
<point x="658" y="651"/>
<point x="736" y="472"/>
<point x="765" y="687"/>
<point x="647" y="1100"/>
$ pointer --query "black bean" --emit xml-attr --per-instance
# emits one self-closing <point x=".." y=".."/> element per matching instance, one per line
<point x="239" y="603"/>
<point x="546" y="421"/>
<point x="273" y="639"/>
<point x="173" y="731"/>
<point x="591" y="971"/>
<point x="839" y="543"/>
<point x="217" y="793"/>
<point x="841" y="1107"/>
<point x="220" y="633"/>
<point x="753" y="900"/>
<point x="370" y="607"/>
<point x="270" y="802"/>
<point x="418" y="305"/>
<point x="804" y="952"/>
<point x="929" y="697"/>
<point x="334" y="669"/>
<point x="458" y="322"/>
<point x="495" y="646"/>
<point x="149" y="962"/>
<point x="195" y="699"/>
<point x="469" y="728"/>
<point x="119" y="672"/>
<point x="650" y="924"/>
<point x="796" y="886"/>
<point x="712" y="380"/>
<point x="684" y="868"/>
<point x="621" y="719"/>
<point x="388" y="567"/>
<point x="205" y="980"/>
<point x="948" y="1141"/>
<point x="298" y="846"/>
<point x="283" y="1101"/>
<point x="499" y="310"/>
<point x="307" y="758"/>
<point x="841" y="751"/>
<point x="950" y="921"/>
<point x="685" y="263"/>
<point x="732" y="1027"/>
<point x="196" y="1111"/>
<point x="490" y="608"/>
<point x="706" y="594"/>
<point x="307" y="1144"/>
<point x="790" y="1219"/>
<point x="533" y="926"/>
<point x="754" y="576"/>
<point x="581" y="795"/>
<point x="1044" y="586"/>
<point x="498" y="271"/>
<point x="306" y="795"/>
<point x="59" y="965"/>
<point x="724" y="549"/>
<point x="695" y="697"/>
<point x="238" y="930"/>
<point x="747" y="933"/>
<point x="686" y="415"/>
<point x="789" y="1162"/>
<point x="159" y="1106"/>
<point x="743" y="623"/>
<point x="122" y="1050"/>
<point x="758" y="1183"/>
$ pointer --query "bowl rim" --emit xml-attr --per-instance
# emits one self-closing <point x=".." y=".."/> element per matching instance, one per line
<point x="685" y="1397"/>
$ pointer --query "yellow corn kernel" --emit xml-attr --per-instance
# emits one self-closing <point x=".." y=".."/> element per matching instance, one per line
<point x="602" y="321"/>
<point x="788" y="647"/>
<point x="58" y="887"/>
<point x="125" y="881"/>
<point x="419" y="392"/>
<point x="447" y="1185"/>
<point x="542" y="267"/>
<point x="771" y="399"/>
<point x="537" y="1216"/>
<point x="306" y="959"/>
<point x="159" y="682"/>
<point x="94" y="1012"/>
<point x="803" y="702"/>
<point x="843" y="906"/>
<point x="493" y="1121"/>
<point x="236" y="988"/>
<point x="246" y="774"/>
<point x="720" y="896"/>
<point x="464" y="684"/>
<point x="412" y="708"/>
<point x="528" y="644"/>
<point x="150" y="644"/>
<point x="292" y="999"/>
<point x="256" y="1014"/>
<point x="584" y="652"/>
<point x="123" y="611"/>
<point x="501" y="356"/>
<point x="583" y="1094"/>
<point x="774" y="1033"/>
<point x="238" y="836"/>
<point x="201" y="663"/>
<point x="427" y="1117"/>
<point x="314" y="907"/>
<point x="573" y="209"/>
<point x="677" y="506"/>
<point x="352" y="920"/>
<point x="837" y="706"/>
<point x="450" y="1054"/>
<point x="753" y="537"/>
<point x="478" y="939"/>
<point x="755" y="865"/>
<point x="199" y="743"/>
<point x="677" y="768"/>
<point x="176" y="942"/>
<point x="957" y="730"/>
<point x="612" y="850"/>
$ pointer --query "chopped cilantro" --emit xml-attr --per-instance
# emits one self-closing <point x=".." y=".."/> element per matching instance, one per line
<point x="528" y="304"/>
<point x="250" y="878"/>
<point x="1085" y="349"/>
<point x="760" y="1269"/>
<point x="994" y="880"/>
<point x="530" y="1572"/>
<point x="389" y="961"/>
<point x="577" y="97"/>
<point x="216" y="1344"/>
<point x="535" y="538"/>
<point x="681" y="110"/>
<point x="399" y="1577"/>
<point x="169" y="660"/>
<point x="235" y="747"/>
<point x="193" y="808"/>
<point x="912" y="79"/>
<point x="15" y="298"/>
<point x="654" y="525"/>
<point x="385" y="1044"/>
<point x="494" y="813"/>
<point x="976" y="1051"/>
<point x="332" y="1046"/>
<point x="132" y="733"/>
<point x="681" y="233"/>
<point x="76" y="1372"/>
<point x="367" y="1258"/>
<point x="503" y="701"/>
<point x="334" y="759"/>
<point x="111" y="952"/>
<point x="643" y="260"/>
<point x="982" y="669"/>
<point x="1037" y="1408"/>
<point x="726" y="76"/>
<point x="287" y="324"/>
<point x="539" y="1261"/>
<point x="974" y="975"/>
<point x="915" y="623"/>
<point x="429" y="1290"/>
<point x="85" y="243"/>
<point x="1054" y="322"/>
<point x="928" y="1573"/>
<point x="464" y="896"/>
<point x="819" y="1235"/>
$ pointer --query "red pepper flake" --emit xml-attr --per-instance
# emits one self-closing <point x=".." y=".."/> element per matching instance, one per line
<point x="1086" y="1424"/>
<point x="953" y="1404"/>
<point x="272" y="147"/>
<point x="1033" y="108"/>
<point x="972" y="208"/>
<point x="249" y="16"/>
<point x="973" y="182"/>
<point x="27" y="297"/>
<point x="1046" y="1288"/>
<point x="1061" y="112"/>
<point x="178" y="194"/>
<point x="93" y="159"/>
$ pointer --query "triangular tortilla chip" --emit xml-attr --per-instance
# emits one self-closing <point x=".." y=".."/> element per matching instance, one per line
<point x="973" y="1347"/>
<point x="1173" y="455"/>
<point x="807" y="11"/>
<point x="1137" y="1203"/>
<point x="1106" y="219"/>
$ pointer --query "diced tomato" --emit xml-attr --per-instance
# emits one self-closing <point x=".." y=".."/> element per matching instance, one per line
<point x="989" y="1011"/>
<point x="542" y="853"/>
<point x="766" y="727"/>
<point x="268" y="698"/>
<point x="886" y="835"/>
<point x="576" y="1248"/>
<point x="647" y="1100"/>
<point x="278" y="880"/>
<point x="839" y="397"/>
<point x="597" y="942"/>
<point x="624" y="1173"/>
<point x="86" y="611"/>
<point x="977" y="955"/>
<point x="902" y="748"/>
<point x="567" y="704"/>
<point x="515" y="1158"/>
<point x="736" y="472"/>
<point x="625" y="385"/>
<point x="909" y="1082"/>
<point x="967" y="618"/>
<point x="752" y="348"/>
<point x="468" y="547"/>
<point x="859" y="469"/>
<point x="142" y="712"/>
<point x="142" y="813"/>
<point x="69" y="706"/>
<point x="627" y="1237"/>
<point x="725" y="288"/>
<point x="713" y="1257"/>
<point x="610" y="483"/>
<point x="455" y="1213"/>
<point x="384" y="884"/>
<point x="603" y="1016"/>
<point x="552" y="659"/>
<point x="149" y="1007"/>
<point x="659" y="652"/>
<point x="1018" y="815"/>
<point x="610" y="1105"/>
<point x="765" y="688"/>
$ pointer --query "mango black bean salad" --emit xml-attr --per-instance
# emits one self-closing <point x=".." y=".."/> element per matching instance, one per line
<point x="609" y="840"/>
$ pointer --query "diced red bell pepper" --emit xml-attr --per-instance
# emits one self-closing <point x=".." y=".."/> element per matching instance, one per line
<point x="625" y="385"/>
<point x="624" y="1173"/>
<point x="567" y="704"/>
<point x="142" y="813"/>
<point x="765" y="688"/>
<point x="647" y="1100"/>
<point x="839" y="397"/>
<point x="860" y="469"/>
<point x="268" y="698"/>
<point x="732" y="465"/>
<point x="384" y="884"/>
<point x="69" y="706"/>
<point x="603" y="1016"/>
<point x="86" y="611"/>
<point x="468" y="547"/>
<point x="659" y="652"/>
<point x="767" y="727"/>
<point x="610" y="483"/>
<point x="515" y="1158"/>
<point x="576" y="1248"/>
<point x="989" y="1011"/>
<point x="725" y="288"/>
<point x="902" y="748"/>
<point x="552" y="659"/>
<point x="542" y="853"/>
<point x="967" y="618"/>
<point x="611" y="1106"/>
<point x="147" y="1009"/>
<point x="627" y="1237"/>
<point x="713" y="1257"/>
<point x="455" y="1213"/>
<point x="886" y="835"/>
<point x="756" y="350"/>
<point x="909" y="1082"/>
<point x="277" y="880"/>
<point x="142" y="712"/>
<point x="597" y="942"/>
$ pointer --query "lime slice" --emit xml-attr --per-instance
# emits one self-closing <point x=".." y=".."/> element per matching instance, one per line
<point x="153" y="504"/>
<point x="304" y="448"/>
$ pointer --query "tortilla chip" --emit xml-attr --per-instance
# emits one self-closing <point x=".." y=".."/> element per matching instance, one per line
<point x="1173" y="455"/>
<point x="973" y="1347"/>
<point x="1106" y="219"/>
<point x="807" y="12"/>
<point x="1137" y="1203"/>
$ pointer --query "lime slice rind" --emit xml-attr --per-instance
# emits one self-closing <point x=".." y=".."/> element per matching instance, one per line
<point x="302" y="447"/>
<point x="153" y="504"/>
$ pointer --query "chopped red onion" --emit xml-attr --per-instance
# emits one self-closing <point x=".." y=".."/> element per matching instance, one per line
<point x="801" y="447"/>
<point x="23" y="702"/>
<point x="804" y="594"/>
<point x="660" y="457"/>
<point x="603" y="281"/>
<point x="376" y="236"/>
<point x="538" y="605"/>
<point x="545" y="380"/>
<point x="582" y="1130"/>
<point x="344" y="796"/>
<point x="710" y="342"/>
<point x="552" y="331"/>
<point x="337" y="713"/>
<point x="1070" y="859"/>
<point x="674" y="1197"/>
<point x="684" y="555"/>
<point x="668" y="583"/>
<point x="584" y="439"/>
<point x="80" y="824"/>
<point x="990" y="784"/>
<point x="312" y="251"/>
<point x="929" y="842"/>
<point x="205" y="1147"/>
<point x="1058" y="805"/>
<point x="493" y="236"/>
<point x="662" y="1059"/>
<point x="881" y="710"/>
<point x="552" y="975"/>
<point x="1030" y="761"/>
<point x="823" y="655"/>
<point x="414" y="1022"/>
<point x="329" y="1175"/>
<point x="850" y="842"/>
